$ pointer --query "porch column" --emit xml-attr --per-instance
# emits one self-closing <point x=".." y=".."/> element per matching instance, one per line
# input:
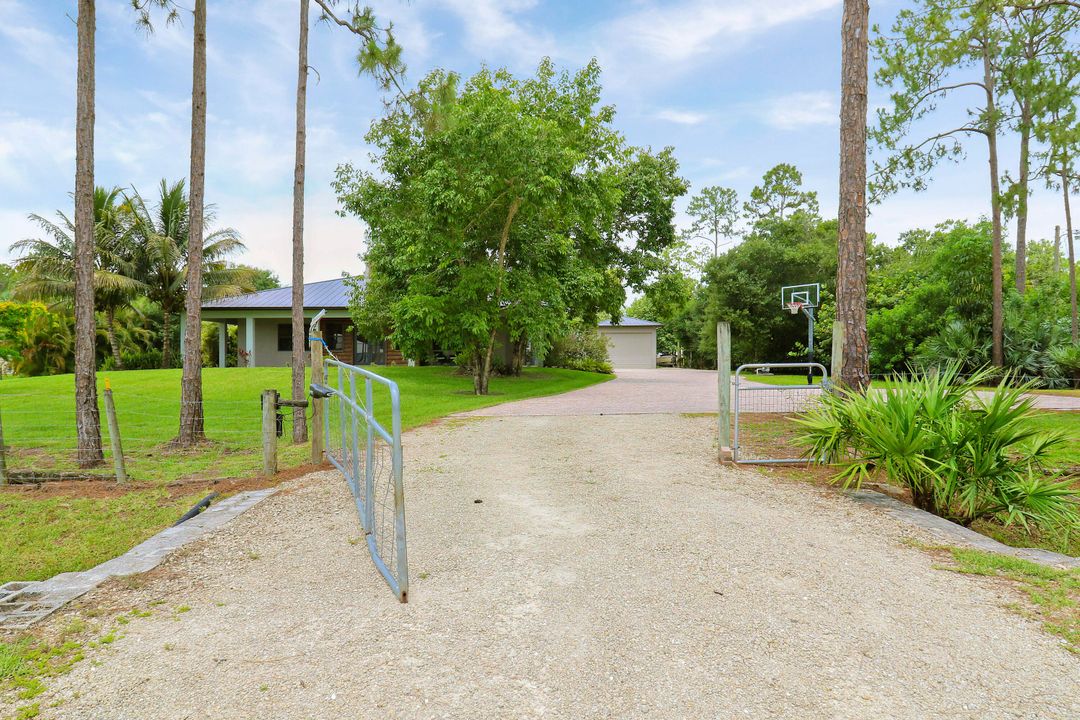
<point x="183" y="332"/>
<point x="223" y="334"/>
<point x="249" y="340"/>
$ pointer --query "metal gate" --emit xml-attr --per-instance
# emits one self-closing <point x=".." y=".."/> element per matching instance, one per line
<point x="753" y="398"/>
<point x="368" y="454"/>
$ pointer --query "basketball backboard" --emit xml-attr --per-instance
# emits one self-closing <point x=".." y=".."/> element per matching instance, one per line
<point x="807" y="295"/>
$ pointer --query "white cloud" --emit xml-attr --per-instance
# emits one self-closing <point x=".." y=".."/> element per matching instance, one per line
<point x="494" y="30"/>
<point x="681" y="117"/>
<point x="800" y="110"/>
<point x="32" y="147"/>
<point x="45" y="50"/>
<point x="676" y="33"/>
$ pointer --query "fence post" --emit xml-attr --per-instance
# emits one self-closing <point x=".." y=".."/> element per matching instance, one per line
<point x="3" y="456"/>
<point x="317" y="407"/>
<point x="723" y="380"/>
<point x="114" y="434"/>
<point x="837" y="351"/>
<point x="269" y="431"/>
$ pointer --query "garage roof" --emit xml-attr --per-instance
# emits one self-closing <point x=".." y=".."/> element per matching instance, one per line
<point x="630" y="322"/>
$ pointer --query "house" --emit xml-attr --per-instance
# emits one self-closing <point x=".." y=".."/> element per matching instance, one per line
<point x="631" y="342"/>
<point x="264" y="326"/>
<point x="264" y="330"/>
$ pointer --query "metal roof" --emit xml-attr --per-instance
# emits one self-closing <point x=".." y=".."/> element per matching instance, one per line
<point x="630" y="322"/>
<point x="317" y="295"/>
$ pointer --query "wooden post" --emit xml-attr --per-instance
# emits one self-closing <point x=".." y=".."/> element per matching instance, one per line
<point x="318" y="375"/>
<point x="723" y="386"/>
<point x="114" y="434"/>
<point x="3" y="456"/>
<point x="269" y="431"/>
<point x="837" y="352"/>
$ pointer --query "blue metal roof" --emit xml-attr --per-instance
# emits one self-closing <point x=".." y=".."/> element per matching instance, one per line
<point x="317" y="295"/>
<point x="630" y="322"/>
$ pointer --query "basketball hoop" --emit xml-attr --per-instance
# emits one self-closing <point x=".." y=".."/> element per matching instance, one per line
<point x="794" y="307"/>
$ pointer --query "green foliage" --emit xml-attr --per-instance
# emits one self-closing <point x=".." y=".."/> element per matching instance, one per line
<point x="35" y="340"/>
<point x="962" y="457"/>
<point x="780" y="196"/>
<point x="1067" y="358"/>
<point x="715" y="212"/>
<point x="503" y="205"/>
<point x="742" y="287"/>
<point x="582" y="348"/>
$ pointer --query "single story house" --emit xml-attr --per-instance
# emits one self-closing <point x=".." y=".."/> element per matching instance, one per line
<point x="264" y="329"/>
<point x="631" y="342"/>
<point x="264" y="326"/>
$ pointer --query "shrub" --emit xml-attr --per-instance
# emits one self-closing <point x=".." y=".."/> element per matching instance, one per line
<point x="962" y="457"/>
<point x="583" y="348"/>
<point x="1067" y="358"/>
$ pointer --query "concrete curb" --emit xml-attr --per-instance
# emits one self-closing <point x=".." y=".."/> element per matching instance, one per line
<point x="24" y="603"/>
<point x="957" y="534"/>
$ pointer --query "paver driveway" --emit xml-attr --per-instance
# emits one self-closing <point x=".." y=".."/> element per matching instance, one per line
<point x="612" y="570"/>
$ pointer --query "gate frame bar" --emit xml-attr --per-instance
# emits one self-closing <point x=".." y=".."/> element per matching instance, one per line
<point x="809" y="366"/>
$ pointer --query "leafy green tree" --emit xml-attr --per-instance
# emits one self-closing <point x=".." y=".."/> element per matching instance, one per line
<point x="35" y="340"/>
<point x="715" y="212"/>
<point x="780" y="195"/>
<point x="47" y="264"/>
<point x="742" y="287"/>
<point x="162" y="235"/>
<point x="503" y="206"/>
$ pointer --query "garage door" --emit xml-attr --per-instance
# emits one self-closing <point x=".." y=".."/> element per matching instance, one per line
<point x="631" y="347"/>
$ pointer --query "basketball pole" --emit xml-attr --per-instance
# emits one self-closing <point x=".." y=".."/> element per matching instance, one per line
<point x="809" y="343"/>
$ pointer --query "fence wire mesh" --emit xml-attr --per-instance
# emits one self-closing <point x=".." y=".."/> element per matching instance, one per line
<point x="368" y="454"/>
<point x="758" y="437"/>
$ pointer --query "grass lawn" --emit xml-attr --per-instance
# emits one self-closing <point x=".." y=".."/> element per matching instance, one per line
<point x="54" y="530"/>
<point x="1063" y="392"/>
<point x="778" y="379"/>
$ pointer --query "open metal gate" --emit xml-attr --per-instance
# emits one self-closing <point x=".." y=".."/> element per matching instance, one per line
<point x="753" y="398"/>
<point x="360" y="444"/>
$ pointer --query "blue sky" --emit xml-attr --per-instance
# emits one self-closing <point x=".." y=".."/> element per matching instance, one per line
<point x="735" y="86"/>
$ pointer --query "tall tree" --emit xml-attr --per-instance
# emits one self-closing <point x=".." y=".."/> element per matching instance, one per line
<point x="851" y="235"/>
<point x="298" y="334"/>
<point x="1035" y="43"/>
<point x="87" y="419"/>
<point x="780" y="195"/>
<point x="715" y="210"/>
<point x="936" y="50"/>
<point x="162" y="235"/>
<point x="47" y="265"/>
<point x="191" y="396"/>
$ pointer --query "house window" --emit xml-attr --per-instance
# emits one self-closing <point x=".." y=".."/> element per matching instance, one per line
<point x="284" y="337"/>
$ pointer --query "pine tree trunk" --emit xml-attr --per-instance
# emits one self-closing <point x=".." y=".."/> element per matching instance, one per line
<point x="87" y="419"/>
<point x="191" y="406"/>
<point x="1072" y="255"/>
<point x="851" y="267"/>
<point x="1022" y="201"/>
<point x="997" y="300"/>
<point x="110" y="330"/>
<point x="299" y="417"/>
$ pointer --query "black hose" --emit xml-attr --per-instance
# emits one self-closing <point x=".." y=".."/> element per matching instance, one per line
<point x="199" y="507"/>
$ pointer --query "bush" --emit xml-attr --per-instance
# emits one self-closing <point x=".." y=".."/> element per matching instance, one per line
<point x="141" y="359"/>
<point x="962" y="457"/>
<point x="1067" y="358"/>
<point x="583" y="348"/>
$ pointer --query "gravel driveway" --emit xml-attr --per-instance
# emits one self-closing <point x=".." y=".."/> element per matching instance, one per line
<point x="613" y="570"/>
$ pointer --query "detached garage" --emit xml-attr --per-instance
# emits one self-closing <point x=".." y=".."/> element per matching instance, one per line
<point x="631" y="343"/>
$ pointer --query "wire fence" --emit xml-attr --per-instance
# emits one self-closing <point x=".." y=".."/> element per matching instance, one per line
<point x="40" y="441"/>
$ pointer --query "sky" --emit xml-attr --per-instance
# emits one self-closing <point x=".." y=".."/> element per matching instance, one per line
<point x="735" y="87"/>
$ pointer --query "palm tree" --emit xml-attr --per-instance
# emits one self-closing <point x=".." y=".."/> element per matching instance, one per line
<point x="162" y="236"/>
<point x="47" y="265"/>
<point x="87" y="419"/>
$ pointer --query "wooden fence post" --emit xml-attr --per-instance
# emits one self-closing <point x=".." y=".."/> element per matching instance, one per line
<point x="723" y="386"/>
<point x="269" y="431"/>
<point x="317" y="407"/>
<point x="3" y="456"/>
<point x="837" y="352"/>
<point x="114" y="434"/>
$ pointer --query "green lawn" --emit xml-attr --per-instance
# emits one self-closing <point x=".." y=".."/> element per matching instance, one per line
<point x="58" y="533"/>
<point x="1068" y="423"/>
<point x="778" y="379"/>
